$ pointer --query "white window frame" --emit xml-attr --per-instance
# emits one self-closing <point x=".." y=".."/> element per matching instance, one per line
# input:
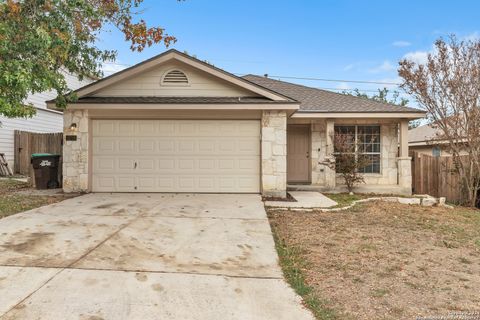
<point x="366" y="153"/>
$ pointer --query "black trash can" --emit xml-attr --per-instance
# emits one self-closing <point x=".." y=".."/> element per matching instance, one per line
<point x="45" y="166"/>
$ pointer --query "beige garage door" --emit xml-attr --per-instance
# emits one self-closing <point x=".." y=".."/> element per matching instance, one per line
<point x="176" y="155"/>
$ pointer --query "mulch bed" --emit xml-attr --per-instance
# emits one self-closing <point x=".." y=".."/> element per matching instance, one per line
<point x="289" y="198"/>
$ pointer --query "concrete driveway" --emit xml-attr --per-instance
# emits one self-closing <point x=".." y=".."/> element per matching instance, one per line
<point x="144" y="256"/>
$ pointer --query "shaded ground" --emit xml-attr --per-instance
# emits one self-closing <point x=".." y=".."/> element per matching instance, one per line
<point x="15" y="197"/>
<point x="383" y="260"/>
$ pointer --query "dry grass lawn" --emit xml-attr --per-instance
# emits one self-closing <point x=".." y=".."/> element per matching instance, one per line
<point x="12" y="200"/>
<point x="385" y="260"/>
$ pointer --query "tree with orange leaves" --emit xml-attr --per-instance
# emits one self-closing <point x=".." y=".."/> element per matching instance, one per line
<point x="40" y="39"/>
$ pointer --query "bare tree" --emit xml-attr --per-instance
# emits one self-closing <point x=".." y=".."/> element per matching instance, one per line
<point x="348" y="162"/>
<point x="447" y="86"/>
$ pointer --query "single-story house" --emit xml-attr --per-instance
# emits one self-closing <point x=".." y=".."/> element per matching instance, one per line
<point x="427" y="139"/>
<point x="44" y="121"/>
<point x="174" y="123"/>
<point x="424" y="139"/>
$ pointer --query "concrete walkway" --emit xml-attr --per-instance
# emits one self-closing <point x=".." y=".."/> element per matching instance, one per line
<point x="143" y="256"/>
<point x="304" y="199"/>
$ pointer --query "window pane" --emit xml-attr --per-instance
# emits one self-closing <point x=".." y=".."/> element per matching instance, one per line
<point x="368" y="147"/>
<point x="344" y="162"/>
<point x="344" y="140"/>
<point x="369" y="139"/>
<point x="345" y="129"/>
<point x="373" y="165"/>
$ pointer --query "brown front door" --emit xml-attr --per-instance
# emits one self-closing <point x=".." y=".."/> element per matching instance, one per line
<point x="298" y="153"/>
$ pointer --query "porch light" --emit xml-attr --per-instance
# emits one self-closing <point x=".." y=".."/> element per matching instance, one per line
<point x="73" y="127"/>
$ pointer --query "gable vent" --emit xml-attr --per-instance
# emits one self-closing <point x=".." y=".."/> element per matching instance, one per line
<point x="175" y="77"/>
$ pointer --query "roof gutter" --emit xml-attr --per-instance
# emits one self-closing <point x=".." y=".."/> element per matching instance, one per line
<point x="180" y="106"/>
<point x="376" y="115"/>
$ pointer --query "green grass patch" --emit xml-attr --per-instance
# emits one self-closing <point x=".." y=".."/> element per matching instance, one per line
<point x="477" y="243"/>
<point x="11" y="204"/>
<point x="345" y="199"/>
<point x="11" y="201"/>
<point x="292" y="264"/>
<point x="379" y="293"/>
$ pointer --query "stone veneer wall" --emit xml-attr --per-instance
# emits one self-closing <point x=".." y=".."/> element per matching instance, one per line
<point x="75" y="153"/>
<point x="274" y="153"/>
<point x="405" y="174"/>
<point x="389" y="152"/>
<point x="318" y="151"/>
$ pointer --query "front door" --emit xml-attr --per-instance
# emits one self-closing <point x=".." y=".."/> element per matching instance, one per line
<point x="298" y="153"/>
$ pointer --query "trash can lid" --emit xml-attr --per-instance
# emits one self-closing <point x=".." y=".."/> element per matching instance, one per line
<point x="38" y="155"/>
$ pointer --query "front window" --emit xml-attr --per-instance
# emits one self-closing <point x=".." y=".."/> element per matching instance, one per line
<point x="364" y="141"/>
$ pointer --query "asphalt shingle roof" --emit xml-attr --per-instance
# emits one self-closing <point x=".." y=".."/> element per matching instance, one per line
<point x="423" y="133"/>
<point x="318" y="100"/>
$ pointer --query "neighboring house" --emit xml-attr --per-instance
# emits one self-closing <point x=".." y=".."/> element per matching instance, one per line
<point x="426" y="140"/>
<point x="176" y="124"/>
<point x="44" y="121"/>
<point x="421" y="139"/>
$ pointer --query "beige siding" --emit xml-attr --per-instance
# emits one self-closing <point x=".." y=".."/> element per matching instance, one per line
<point x="38" y="99"/>
<point x="149" y="84"/>
<point x="43" y="121"/>
<point x="428" y="150"/>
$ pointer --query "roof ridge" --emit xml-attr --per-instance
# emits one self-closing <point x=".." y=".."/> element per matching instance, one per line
<point x="182" y="54"/>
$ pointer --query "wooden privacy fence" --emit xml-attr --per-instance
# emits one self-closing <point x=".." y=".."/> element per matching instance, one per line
<point x="435" y="176"/>
<point x="27" y="143"/>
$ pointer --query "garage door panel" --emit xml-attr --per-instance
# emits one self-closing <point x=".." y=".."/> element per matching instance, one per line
<point x="206" y="146"/>
<point x="206" y="183"/>
<point x="166" y="184"/>
<point x="176" y="156"/>
<point x="186" y="146"/>
<point x="146" y="128"/>
<point x="126" y="182"/>
<point x="166" y="128"/>
<point x="147" y="183"/>
<point x="207" y="164"/>
<point x="248" y="164"/>
<point x="126" y="145"/>
<point x="125" y="128"/>
<point x="148" y="164"/>
<point x="104" y="164"/>
<point x="147" y="146"/>
<point x="104" y="146"/>
<point x="104" y="183"/>
<point x="187" y="164"/>
<point x="247" y="129"/>
<point x="104" y="128"/>
<point x="125" y="165"/>
<point x="166" y="146"/>
<point x="166" y="164"/>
